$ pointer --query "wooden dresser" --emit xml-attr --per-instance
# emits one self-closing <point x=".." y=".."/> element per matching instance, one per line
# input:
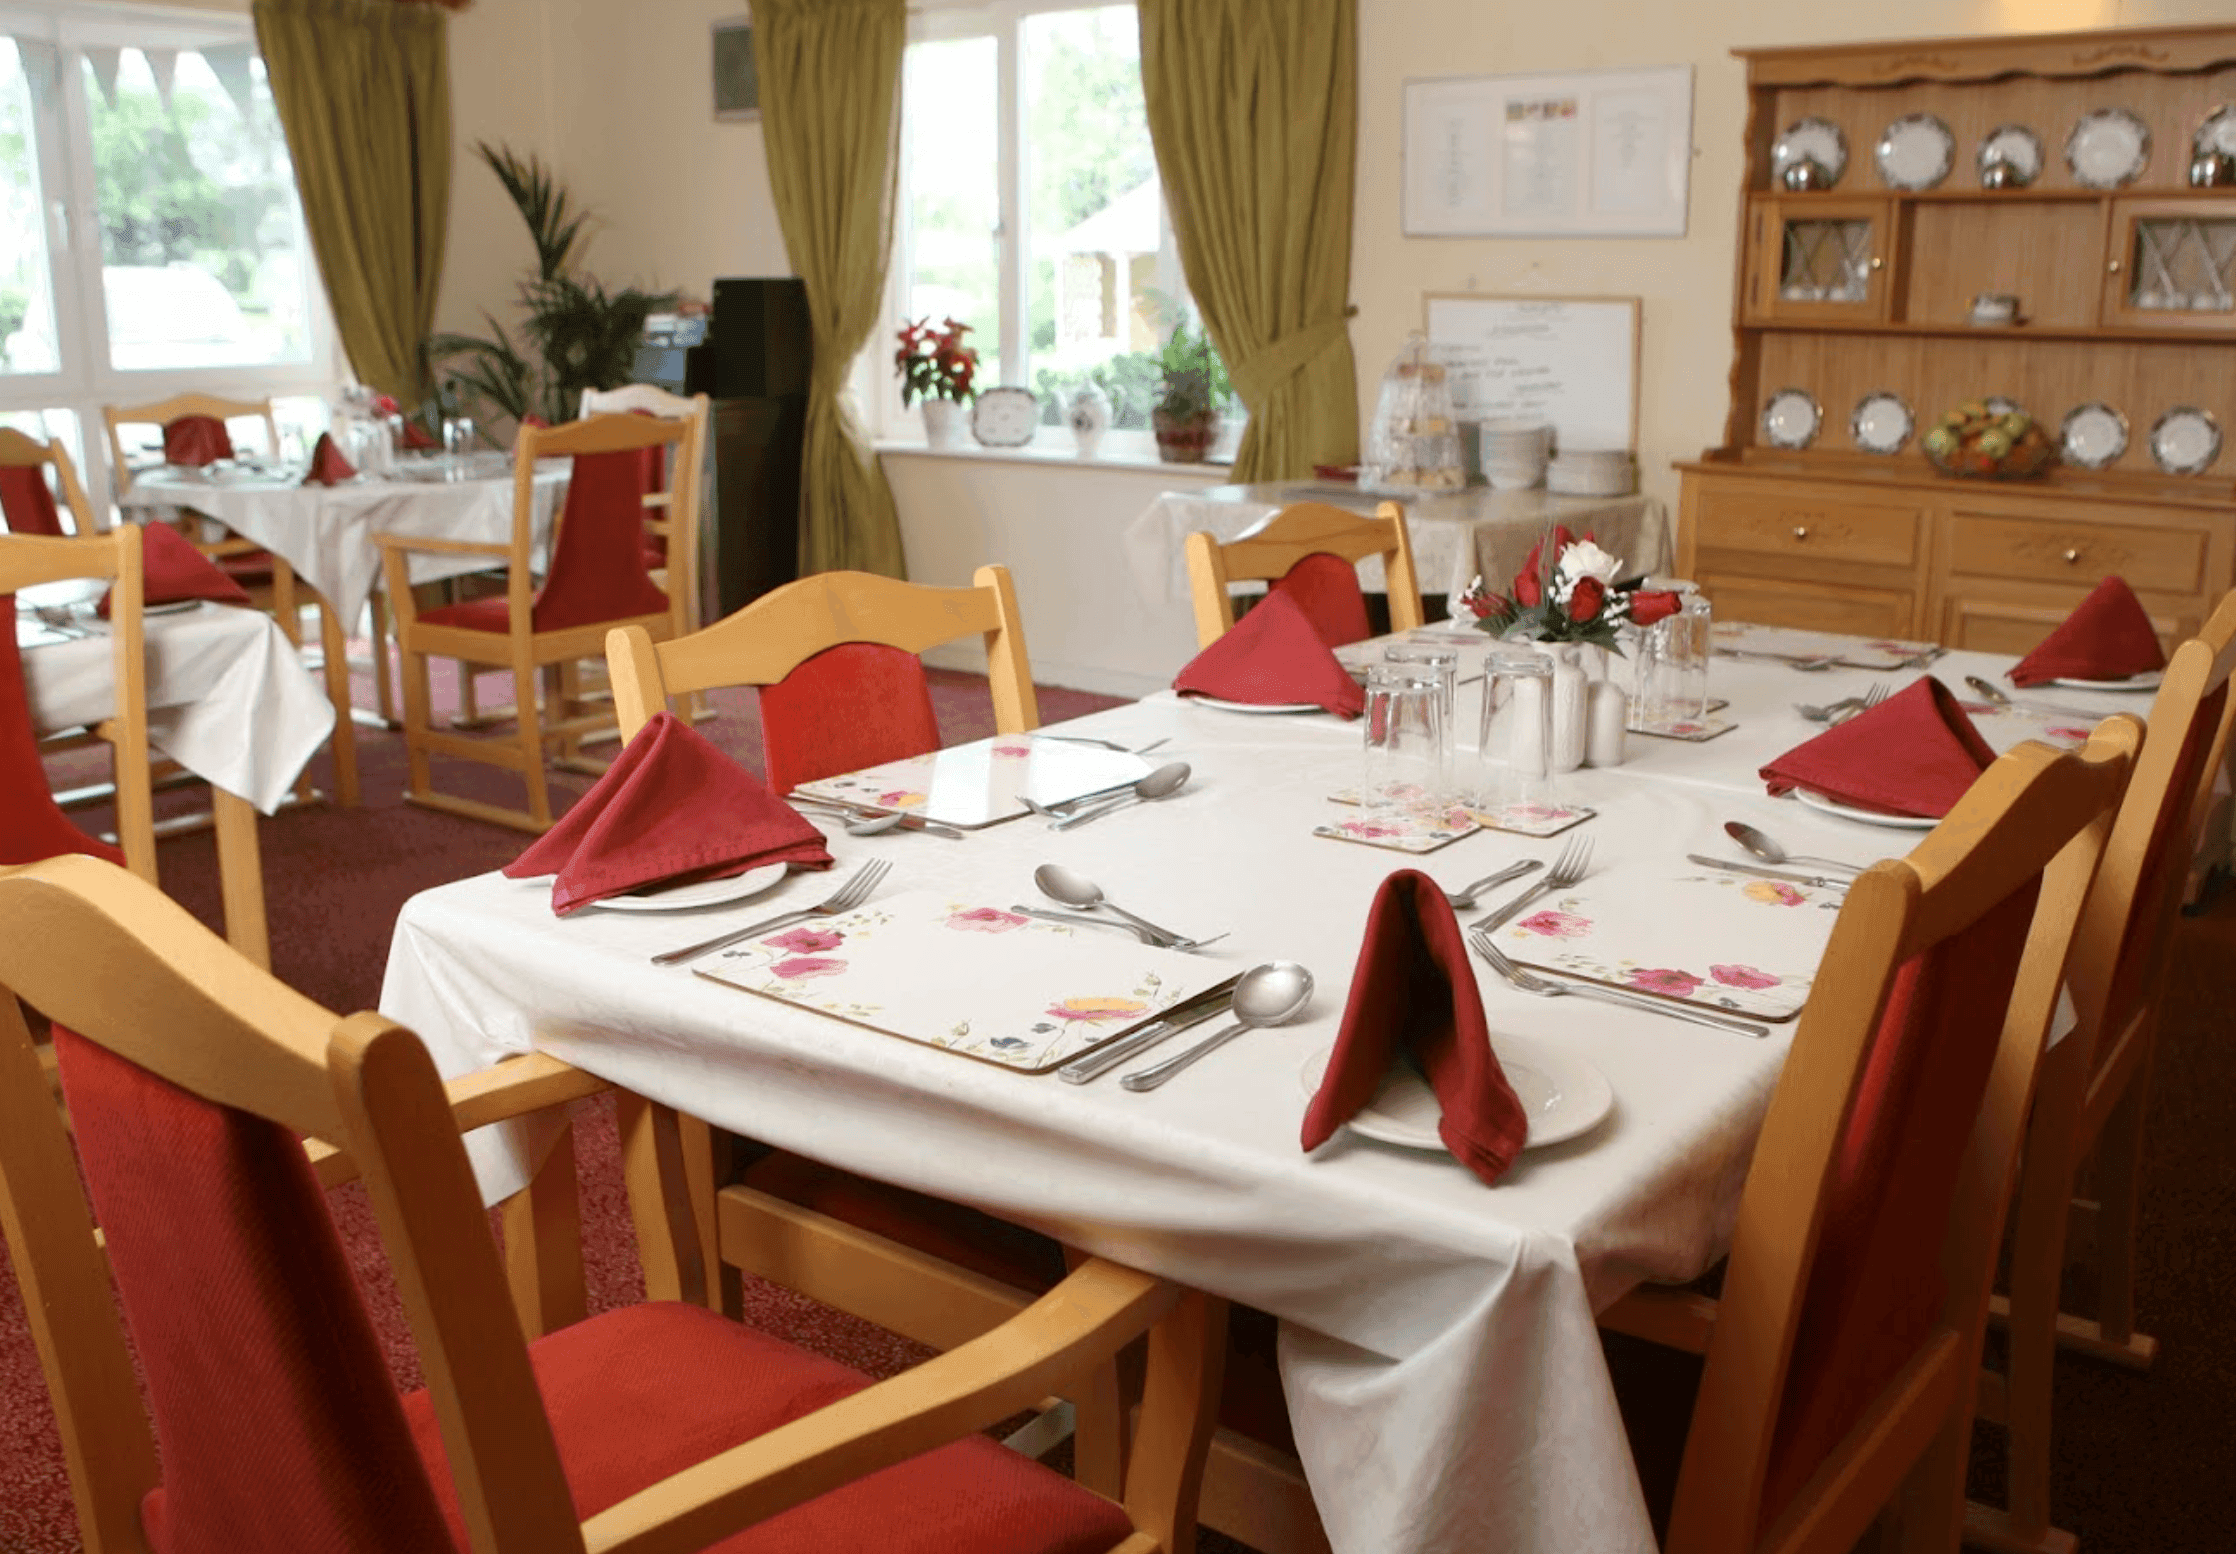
<point x="1863" y="291"/>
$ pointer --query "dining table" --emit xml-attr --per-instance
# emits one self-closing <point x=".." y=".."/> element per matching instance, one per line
<point x="1438" y="1345"/>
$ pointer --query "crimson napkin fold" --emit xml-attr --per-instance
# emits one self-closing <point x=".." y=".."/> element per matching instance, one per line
<point x="2107" y="637"/>
<point x="1273" y="656"/>
<point x="1914" y="754"/>
<point x="195" y="440"/>
<point x="672" y="808"/>
<point x="172" y="570"/>
<point x="1414" y="993"/>
<point x="328" y="467"/>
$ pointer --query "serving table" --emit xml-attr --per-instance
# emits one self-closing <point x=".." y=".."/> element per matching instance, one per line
<point x="1438" y="1343"/>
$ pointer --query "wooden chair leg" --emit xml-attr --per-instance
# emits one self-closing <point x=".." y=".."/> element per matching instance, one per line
<point x="543" y="1245"/>
<point x="418" y="721"/>
<point x="240" y="874"/>
<point x="531" y="744"/>
<point x="337" y="692"/>
<point x="384" y="698"/>
<point x="2119" y="1185"/>
<point x="469" y="699"/>
<point x="285" y="606"/>
<point x="1098" y="1408"/>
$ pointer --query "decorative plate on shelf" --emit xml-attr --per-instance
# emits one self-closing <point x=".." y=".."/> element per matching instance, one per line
<point x="2108" y="148"/>
<point x="2186" y="440"/>
<point x="1811" y="140"/>
<point x="1005" y="417"/>
<point x="1791" y="418"/>
<point x="2092" y="436"/>
<point x="1882" y="423"/>
<point x="2218" y="132"/>
<point x="1916" y="151"/>
<point x="1999" y="405"/>
<point x="2013" y="147"/>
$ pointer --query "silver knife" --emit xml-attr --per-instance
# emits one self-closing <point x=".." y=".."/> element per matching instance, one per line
<point x="872" y="812"/>
<point x="1769" y="874"/>
<point x="1175" y="1020"/>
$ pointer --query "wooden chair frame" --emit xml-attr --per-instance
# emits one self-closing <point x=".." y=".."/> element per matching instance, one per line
<point x="1903" y="1462"/>
<point x="18" y="451"/>
<point x="684" y="492"/>
<point x="96" y="949"/>
<point x="521" y="649"/>
<point x="1299" y="530"/>
<point x="2093" y="1090"/>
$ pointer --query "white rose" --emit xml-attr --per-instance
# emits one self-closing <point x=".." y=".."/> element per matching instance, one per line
<point x="1581" y="560"/>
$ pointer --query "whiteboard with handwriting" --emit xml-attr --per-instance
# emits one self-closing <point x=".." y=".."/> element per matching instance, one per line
<point x="1570" y="361"/>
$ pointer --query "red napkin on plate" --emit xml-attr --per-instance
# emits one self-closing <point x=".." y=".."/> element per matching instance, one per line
<point x="194" y="440"/>
<point x="1913" y="754"/>
<point x="1414" y="992"/>
<point x="2107" y="637"/>
<point x="417" y="439"/>
<point x="1326" y="588"/>
<point x="1272" y="657"/>
<point x="328" y="467"/>
<point x="671" y="808"/>
<point x="171" y="570"/>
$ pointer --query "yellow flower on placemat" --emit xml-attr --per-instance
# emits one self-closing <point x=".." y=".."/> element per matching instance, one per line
<point x="1098" y="1010"/>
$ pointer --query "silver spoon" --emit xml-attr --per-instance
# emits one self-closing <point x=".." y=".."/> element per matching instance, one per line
<point x="1762" y="846"/>
<point x="871" y="825"/>
<point x="1061" y="885"/>
<point x="1165" y="781"/>
<point x="1272" y="994"/>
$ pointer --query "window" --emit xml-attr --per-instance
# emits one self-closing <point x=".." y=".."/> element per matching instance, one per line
<point x="1030" y="207"/>
<point x="150" y="237"/>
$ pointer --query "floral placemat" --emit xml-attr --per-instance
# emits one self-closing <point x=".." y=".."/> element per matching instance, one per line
<point x="986" y="780"/>
<point x="1420" y="828"/>
<point x="1748" y="945"/>
<point x="1692" y="730"/>
<point x="968" y="977"/>
<point x="1849" y="652"/>
<point x="1521" y="819"/>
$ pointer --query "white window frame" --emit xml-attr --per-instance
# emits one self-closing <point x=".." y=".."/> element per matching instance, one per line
<point x="63" y="130"/>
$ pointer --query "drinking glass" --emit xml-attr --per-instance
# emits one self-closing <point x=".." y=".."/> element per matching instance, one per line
<point x="1514" y="749"/>
<point x="1673" y="668"/>
<point x="458" y="446"/>
<point x="1407" y="755"/>
<point x="1441" y="664"/>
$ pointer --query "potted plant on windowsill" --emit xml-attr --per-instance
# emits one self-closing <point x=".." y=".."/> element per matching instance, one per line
<point x="937" y="368"/>
<point x="1195" y="384"/>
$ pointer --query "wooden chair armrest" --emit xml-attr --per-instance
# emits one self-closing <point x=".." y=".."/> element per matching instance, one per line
<point x="441" y="546"/>
<point x="1664" y="1314"/>
<point x="1089" y="1316"/>
<point x="511" y="1089"/>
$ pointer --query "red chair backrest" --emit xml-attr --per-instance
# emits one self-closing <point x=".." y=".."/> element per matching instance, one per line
<point x="27" y="501"/>
<point x="32" y="825"/>
<point x="1327" y="589"/>
<point x="598" y="571"/>
<point x="855" y="705"/>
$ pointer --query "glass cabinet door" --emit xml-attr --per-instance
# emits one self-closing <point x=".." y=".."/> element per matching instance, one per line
<point x="1818" y="260"/>
<point x="2172" y="265"/>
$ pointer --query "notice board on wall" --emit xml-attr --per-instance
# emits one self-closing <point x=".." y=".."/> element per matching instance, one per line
<point x="1569" y="361"/>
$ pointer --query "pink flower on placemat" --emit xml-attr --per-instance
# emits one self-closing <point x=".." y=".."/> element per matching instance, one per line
<point x="1773" y="893"/>
<point x="1014" y="752"/>
<point x="1097" y="1010"/>
<point x="800" y="967"/>
<point x="900" y="798"/>
<point x="985" y="920"/>
<point x="1678" y="984"/>
<point x="1371" y="828"/>
<point x="806" y="941"/>
<point x="1556" y="925"/>
<point x="2079" y="736"/>
<point x="1743" y="976"/>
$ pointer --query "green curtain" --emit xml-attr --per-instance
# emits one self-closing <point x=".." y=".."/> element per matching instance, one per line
<point x="830" y="118"/>
<point x="363" y="92"/>
<point x="1254" y="111"/>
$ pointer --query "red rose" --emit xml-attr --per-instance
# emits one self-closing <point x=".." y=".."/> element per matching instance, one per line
<point x="1527" y="589"/>
<point x="1649" y="607"/>
<point x="1529" y="563"/>
<point x="1586" y="599"/>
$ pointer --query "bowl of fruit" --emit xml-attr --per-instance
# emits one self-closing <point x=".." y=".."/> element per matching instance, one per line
<point x="1989" y="440"/>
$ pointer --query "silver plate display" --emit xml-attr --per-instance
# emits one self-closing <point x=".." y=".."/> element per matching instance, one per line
<point x="1882" y="423"/>
<point x="2093" y="435"/>
<point x="2185" y="441"/>
<point x="1916" y="152"/>
<point x="2108" y="149"/>
<point x="2013" y="146"/>
<point x="2218" y="132"/>
<point x="1791" y="418"/>
<point x="1813" y="140"/>
<point x="1006" y="417"/>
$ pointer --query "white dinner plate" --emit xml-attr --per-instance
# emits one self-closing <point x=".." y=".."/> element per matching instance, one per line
<point x="1562" y="1095"/>
<point x="2146" y="681"/>
<point x="700" y="893"/>
<point x="1252" y="706"/>
<point x="1870" y="817"/>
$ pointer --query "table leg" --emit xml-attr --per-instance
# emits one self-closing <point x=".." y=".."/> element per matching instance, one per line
<point x="344" y="742"/>
<point x="240" y="875"/>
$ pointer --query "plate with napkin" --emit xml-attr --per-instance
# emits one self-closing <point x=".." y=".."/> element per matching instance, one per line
<point x="1272" y="661"/>
<point x="1562" y="1096"/>
<point x="1913" y="755"/>
<point x="2107" y="643"/>
<point x="174" y="573"/>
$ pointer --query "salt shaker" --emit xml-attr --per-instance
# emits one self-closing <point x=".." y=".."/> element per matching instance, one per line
<point x="1609" y="711"/>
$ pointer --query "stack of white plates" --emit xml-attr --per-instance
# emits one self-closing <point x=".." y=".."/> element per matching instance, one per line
<point x="1592" y="472"/>
<point x="1513" y="452"/>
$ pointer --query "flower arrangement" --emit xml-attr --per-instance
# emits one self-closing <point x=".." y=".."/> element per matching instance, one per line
<point x="934" y="363"/>
<point x="1573" y="599"/>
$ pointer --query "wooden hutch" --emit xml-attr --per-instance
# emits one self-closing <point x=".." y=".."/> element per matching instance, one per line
<point x="1864" y="289"/>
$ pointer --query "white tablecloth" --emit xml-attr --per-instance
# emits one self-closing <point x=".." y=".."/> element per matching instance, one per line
<point x="228" y="697"/>
<point x="1455" y="537"/>
<point x="326" y="532"/>
<point x="1439" y="1350"/>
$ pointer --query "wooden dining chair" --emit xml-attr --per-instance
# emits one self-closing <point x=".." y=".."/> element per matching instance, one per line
<point x="2095" y="1086"/>
<point x="271" y="1422"/>
<point x="671" y="488"/>
<point x="1311" y="551"/>
<point x="597" y="582"/>
<point x="33" y="474"/>
<point x="1841" y="1357"/>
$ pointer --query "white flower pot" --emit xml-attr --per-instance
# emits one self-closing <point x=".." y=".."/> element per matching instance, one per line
<point x="943" y="423"/>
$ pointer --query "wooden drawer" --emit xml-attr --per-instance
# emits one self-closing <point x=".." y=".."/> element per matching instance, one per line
<point x="1807" y="526"/>
<point x="2015" y="620"/>
<point x="1863" y="612"/>
<point x="2045" y="550"/>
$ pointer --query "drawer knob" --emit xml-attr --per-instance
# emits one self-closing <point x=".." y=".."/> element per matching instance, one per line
<point x="1801" y="531"/>
<point x="1877" y="263"/>
<point x="2071" y="557"/>
<point x="2115" y="267"/>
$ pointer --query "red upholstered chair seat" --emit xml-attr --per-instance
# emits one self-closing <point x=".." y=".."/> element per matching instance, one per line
<point x="639" y="1393"/>
<point x="1008" y="1254"/>
<point x="249" y="569"/>
<point x="493" y="614"/>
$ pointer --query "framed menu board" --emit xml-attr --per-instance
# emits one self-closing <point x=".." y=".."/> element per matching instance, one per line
<point x="1571" y="362"/>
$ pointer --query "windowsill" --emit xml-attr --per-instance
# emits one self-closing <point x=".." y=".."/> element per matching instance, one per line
<point x="1135" y="453"/>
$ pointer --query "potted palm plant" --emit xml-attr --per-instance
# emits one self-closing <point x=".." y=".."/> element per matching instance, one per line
<point x="1193" y="387"/>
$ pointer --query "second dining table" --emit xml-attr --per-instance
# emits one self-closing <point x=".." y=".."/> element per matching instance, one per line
<point x="1438" y="1342"/>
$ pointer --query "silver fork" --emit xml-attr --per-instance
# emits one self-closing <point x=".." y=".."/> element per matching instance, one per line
<point x="1160" y="938"/>
<point x="1572" y="863"/>
<point x="1845" y="708"/>
<point x="1863" y="703"/>
<point x="1463" y="900"/>
<point x="1530" y="982"/>
<point x="846" y="898"/>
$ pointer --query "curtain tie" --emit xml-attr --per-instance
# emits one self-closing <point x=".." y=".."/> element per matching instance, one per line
<point x="1273" y="364"/>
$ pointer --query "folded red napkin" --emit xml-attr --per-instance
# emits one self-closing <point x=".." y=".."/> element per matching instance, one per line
<point x="417" y="439"/>
<point x="328" y="467"/>
<point x="2107" y="637"/>
<point x="171" y="569"/>
<point x="672" y="808"/>
<point x="1272" y="657"/>
<point x="1914" y="754"/>
<point x="194" y="440"/>
<point x="26" y="502"/>
<point x="1414" y="992"/>
<point x="1327" y="589"/>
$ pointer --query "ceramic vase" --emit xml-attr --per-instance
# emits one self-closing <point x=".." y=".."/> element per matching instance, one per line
<point x="1571" y="704"/>
<point x="1090" y="418"/>
<point x="943" y="423"/>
